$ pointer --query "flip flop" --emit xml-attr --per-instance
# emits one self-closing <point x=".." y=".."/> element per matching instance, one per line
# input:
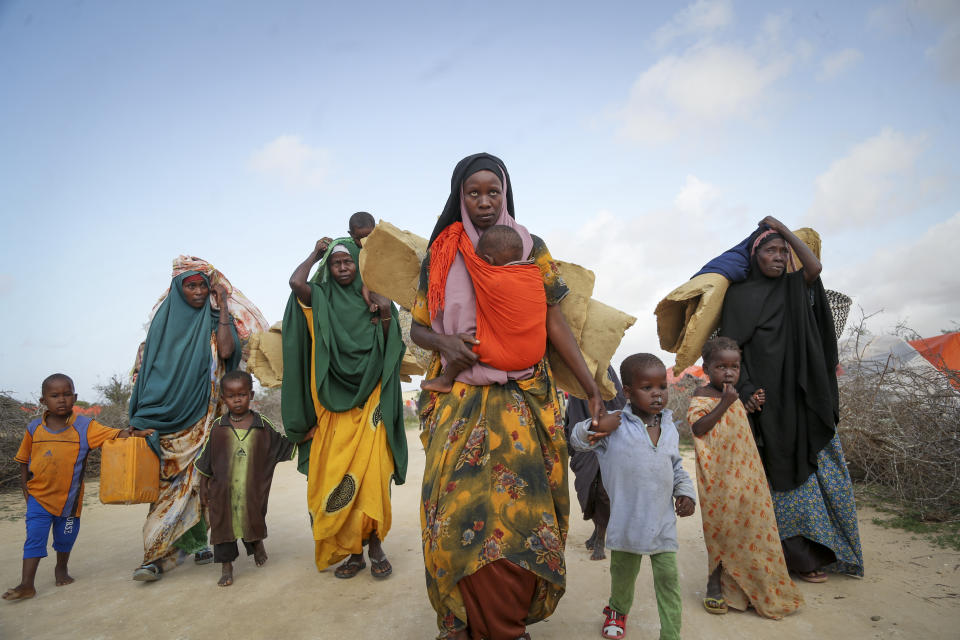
<point x="350" y="568"/>
<point x="380" y="568"/>
<point x="147" y="573"/>
<point x="716" y="606"/>
<point x="813" y="576"/>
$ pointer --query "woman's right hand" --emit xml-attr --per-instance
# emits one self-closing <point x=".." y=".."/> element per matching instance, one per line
<point x="321" y="247"/>
<point x="456" y="350"/>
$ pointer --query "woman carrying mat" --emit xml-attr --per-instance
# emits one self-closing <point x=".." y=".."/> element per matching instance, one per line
<point x="783" y="323"/>
<point x="190" y="345"/>
<point x="341" y="398"/>
<point x="494" y="504"/>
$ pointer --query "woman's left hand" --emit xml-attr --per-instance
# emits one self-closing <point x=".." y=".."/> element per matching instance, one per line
<point x="220" y="295"/>
<point x="376" y="302"/>
<point x="597" y="410"/>
<point x="773" y="223"/>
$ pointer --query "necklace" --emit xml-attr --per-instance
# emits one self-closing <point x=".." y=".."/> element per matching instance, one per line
<point x="238" y="419"/>
<point x="655" y="423"/>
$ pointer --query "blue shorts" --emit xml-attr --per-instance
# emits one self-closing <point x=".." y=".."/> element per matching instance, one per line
<point x="39" y="521"/>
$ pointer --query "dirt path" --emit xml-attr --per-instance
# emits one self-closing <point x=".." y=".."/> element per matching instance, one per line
<point x="912" y="589"/>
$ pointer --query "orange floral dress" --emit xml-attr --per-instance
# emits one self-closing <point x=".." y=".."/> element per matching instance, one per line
<point x="739" y="525"/>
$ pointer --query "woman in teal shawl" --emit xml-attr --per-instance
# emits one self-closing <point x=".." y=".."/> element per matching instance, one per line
<point x="189" y="346"/>
<point x="341" y="398"/>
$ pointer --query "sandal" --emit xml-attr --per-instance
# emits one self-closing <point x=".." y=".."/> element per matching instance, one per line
<point x="615" y="626"/>
<point x="148" y="573"/>
<point x="813" y="576"/>
<point x="350" y="568"/>
<point x="203" y="557"/>
<point x="717" y="606"/>
<point x="380" y="568"/>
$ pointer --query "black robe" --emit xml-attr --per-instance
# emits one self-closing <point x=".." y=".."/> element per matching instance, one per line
<point x="785" y="329"/>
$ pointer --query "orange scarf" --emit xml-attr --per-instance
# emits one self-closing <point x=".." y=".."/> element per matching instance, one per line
<point x="511" y="302"/>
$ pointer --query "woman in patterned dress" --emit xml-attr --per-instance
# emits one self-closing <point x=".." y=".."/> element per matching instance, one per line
<point x="494" y="505"/>
<point x="783" y="323"/>
<point x="190" y="345"/>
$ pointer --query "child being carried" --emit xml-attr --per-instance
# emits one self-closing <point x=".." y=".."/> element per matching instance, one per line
<point x="511" y="306"/>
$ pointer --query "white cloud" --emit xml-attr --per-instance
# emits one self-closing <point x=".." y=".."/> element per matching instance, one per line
<point x="709" y="82"/>
<point x="914" y="282"/>
<point x="838" y="63"/>
<point x="698" y="19"/>
<point x="696" y="197"/>
<point x="291" y="161"/>
<point x="693" y="90"/>
<point x="873" y="181"/>
<point x="639" y="258"/>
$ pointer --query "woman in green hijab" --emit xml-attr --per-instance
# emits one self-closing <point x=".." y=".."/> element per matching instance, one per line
<point x="189" y="346"/>
<point x="341" y="398"/>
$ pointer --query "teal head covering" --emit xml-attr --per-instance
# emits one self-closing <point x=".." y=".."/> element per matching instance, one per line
<point x="350" y="355"/>
<point x="172" y="390"/>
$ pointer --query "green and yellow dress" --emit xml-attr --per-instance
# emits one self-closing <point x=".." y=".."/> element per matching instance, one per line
<point x="341" y="397"/>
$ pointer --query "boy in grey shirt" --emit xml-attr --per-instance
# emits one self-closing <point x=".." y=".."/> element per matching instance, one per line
<point x="641" y="468"/>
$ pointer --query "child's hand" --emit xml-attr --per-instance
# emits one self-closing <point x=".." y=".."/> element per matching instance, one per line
<point x="684" y="506"/>
<point x="607" y="423"/>
<point x="729" y="394"/>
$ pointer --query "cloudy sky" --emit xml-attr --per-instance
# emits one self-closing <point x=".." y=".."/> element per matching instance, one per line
<point x="643" y="139"/>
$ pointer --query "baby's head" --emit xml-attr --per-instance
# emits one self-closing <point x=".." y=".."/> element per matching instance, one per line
<point x="236" y="388"/>
<point x="721" y="362"/>
<point x="360" y="226"/>
<point x="645" y="384"/>
<point x="500" y="245"/>
<point x="58" y="394"/>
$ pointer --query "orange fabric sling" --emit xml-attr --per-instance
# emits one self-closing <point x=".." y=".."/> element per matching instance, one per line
<point x="511" y="302"/>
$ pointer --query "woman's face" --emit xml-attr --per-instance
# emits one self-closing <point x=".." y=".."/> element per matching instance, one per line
<point x="342" y="268"/>
<point x="196" y="293"/>
<point x="772" y="258"/>
<point x="482" y="198"/>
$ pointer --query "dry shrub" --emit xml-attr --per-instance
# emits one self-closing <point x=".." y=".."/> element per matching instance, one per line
<point x="13" y="420"/>
<point x="900" y="429"/>
<point x="680" y="393"/>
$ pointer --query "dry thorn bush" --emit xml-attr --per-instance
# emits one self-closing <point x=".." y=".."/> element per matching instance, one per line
<point x="900" y="428"/>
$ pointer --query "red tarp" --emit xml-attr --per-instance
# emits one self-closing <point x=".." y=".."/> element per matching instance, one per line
<point x="943" y="352"/>
<point x="695" y="371"/>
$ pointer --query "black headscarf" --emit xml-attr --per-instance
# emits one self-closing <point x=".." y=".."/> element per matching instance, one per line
<point x="464" y="169"/>
<point x="785" y="329"/>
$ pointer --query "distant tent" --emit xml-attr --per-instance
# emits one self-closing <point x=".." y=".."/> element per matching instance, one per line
<point x="891" y="357"/>
<point x="943" y="352"/>
<point x="693" y="370"/>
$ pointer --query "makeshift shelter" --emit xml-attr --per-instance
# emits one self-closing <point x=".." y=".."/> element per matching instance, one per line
<point x="943" y="352"/>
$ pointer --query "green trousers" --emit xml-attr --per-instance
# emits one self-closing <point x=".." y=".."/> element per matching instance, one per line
<point x="624" y="567"/>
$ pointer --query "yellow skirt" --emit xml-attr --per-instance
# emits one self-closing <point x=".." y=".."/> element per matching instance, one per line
<point x="348" y="484"/>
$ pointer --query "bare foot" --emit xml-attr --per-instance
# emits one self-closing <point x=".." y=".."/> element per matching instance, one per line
<point x="19" y="592"/>
<point x="226" y="575"/>
<point x="259" y="553"/>
<point x="63" y="579"/>
<point x="437" y="385"/>
<point x="598" y="552"/>
<point x="591" y="541"/>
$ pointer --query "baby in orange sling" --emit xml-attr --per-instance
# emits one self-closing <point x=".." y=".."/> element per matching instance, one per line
<point x="511" y="305"/>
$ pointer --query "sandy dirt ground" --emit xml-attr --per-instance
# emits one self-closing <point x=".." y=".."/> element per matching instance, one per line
<point x="911" y="589"/>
